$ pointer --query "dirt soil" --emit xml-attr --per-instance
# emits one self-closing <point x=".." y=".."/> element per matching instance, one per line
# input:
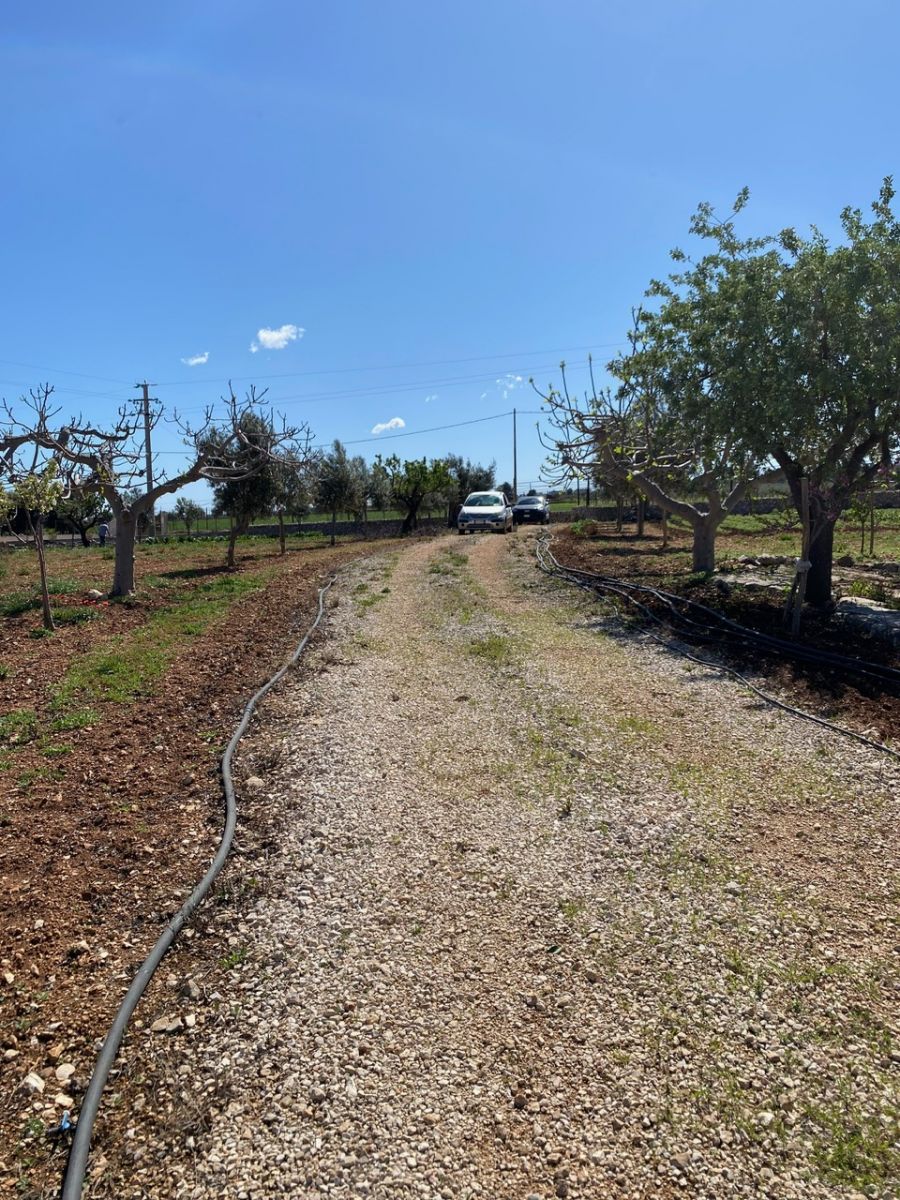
<point x="864" y="706"/>
<point x="100" y="849"/>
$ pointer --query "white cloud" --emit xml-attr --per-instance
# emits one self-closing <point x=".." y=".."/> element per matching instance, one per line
<point x="196" y="360"/>
<point x="433" y="396"/>
<point x="276" y="339"/>
<point x="384" y="426"/>
<point x="508" y="383"/>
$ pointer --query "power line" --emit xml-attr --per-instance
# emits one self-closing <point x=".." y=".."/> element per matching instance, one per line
<point x="9" y="362"/>
<point x="389" y="390"/>
<point x="435" y="429"/>
<point x="437" y="362"/>
<point x="379" y="437"/>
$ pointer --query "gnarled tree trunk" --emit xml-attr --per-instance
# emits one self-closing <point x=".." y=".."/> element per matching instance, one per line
<point x="123" y="569"/>
<point x="821" y="556"/>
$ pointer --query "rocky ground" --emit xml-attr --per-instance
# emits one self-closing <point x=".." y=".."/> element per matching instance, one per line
<point x="528" y="908"/>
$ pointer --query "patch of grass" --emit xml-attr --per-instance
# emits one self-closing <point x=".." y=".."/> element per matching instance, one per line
<point x="119" y="674"/>
<point x="495" y="649"/>
<point x="854" y="1147"/>
<point x="640" y="725"/>
<point x="74" y="614"/>
<point x="27" y="778"/>
<point x="53" y="750"/>
<point x="18" y="727"/>
<point x="4" y="671"/>
<point x="368" y="601"/>
<point x="73" y="718"/>
<point x="872" y="589"/>
<point x="17" y="603"/>
<point x="571" y="909"/>
<point x="233" y="958"/>
<point x="129" y="667"/>
<point x="62" y="587"/>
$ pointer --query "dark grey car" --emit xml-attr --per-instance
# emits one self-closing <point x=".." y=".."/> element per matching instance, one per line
<point x="532" y="510"/>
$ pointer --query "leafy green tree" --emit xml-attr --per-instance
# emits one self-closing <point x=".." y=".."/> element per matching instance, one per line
<point x="36" y="493"/>
<point x="676" y="428"/>
<point x="337" y="485"/>
<point x="379" y="487"/>
<point x="188" y="512"/>
<point x="830" y="408"/>
<point x="416" y="482"/>
<point x="244" y="499"/>
<point x="81" y="512"/>
<point x="363" y="484"/>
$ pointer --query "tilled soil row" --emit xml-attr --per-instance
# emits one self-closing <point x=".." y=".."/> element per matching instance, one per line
<point x="95" y="864"/>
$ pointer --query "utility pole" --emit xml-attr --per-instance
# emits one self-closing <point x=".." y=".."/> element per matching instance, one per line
<point x="515" y="495"/>
<point x="148" y="456"/>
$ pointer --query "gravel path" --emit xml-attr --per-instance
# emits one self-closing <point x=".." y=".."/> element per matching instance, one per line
<point x="555" y="914"/>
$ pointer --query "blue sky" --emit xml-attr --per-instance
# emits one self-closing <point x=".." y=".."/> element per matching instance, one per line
<point x="444" y="199"/>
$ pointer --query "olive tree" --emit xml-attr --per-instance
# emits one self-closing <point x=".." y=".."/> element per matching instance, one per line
<point x="337" y="485"/>
<point x="414" y="482"/>
<point x="187" y="511"/>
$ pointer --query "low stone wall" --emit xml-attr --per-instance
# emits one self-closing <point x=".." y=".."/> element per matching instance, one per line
<point x="358" y="529"/>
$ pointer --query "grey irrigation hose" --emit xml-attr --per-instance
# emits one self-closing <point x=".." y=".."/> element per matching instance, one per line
<point x="73" y="1180"/>
<point x="559" y="571"/>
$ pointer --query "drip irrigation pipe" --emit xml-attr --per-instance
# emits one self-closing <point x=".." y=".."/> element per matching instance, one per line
<point x="618" y="588"/>
<point x="735" y="631"/>
<point x="73" y="1180"/>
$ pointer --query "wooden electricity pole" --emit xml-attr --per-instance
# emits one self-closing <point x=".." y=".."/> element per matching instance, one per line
<point x="515" y="494"/>
<point x="148" y="456"/>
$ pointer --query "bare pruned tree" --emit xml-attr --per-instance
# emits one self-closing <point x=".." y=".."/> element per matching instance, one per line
<point x="639" y="437"/>
<point x="110" y="460"/>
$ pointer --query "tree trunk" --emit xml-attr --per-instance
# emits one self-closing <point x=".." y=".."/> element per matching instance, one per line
<point x="237" y="528"/>
<point x="282" y="548"/>
<point x="640" y="516"/>
<point x="665" y="529"/>
<point x="123" y="570"/>
<point x="619" y="507"/>
<point x="37" y="533"/>
<point x="703" y="557"/>
<point x="82" y="532"/>
<point x="333" y="526"/>
<point x="821" y="554"/>
<point x="409" y="521"/>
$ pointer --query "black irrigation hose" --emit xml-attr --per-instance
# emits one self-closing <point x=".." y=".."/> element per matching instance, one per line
<point x="618" y="588"/>
<point x="738" y="632"/>
<point x="73" y="1180"/>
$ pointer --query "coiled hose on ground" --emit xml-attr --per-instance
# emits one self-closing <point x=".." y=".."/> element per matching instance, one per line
<point x="73" y="1180"/>
<point x="622" y="589"/>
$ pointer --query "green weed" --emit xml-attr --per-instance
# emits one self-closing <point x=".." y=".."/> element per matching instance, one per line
<point x="18" y="727"/>
<point x="233" y="958"/>
<point x="495" y="649"/>
<point x="74" y="614"/>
